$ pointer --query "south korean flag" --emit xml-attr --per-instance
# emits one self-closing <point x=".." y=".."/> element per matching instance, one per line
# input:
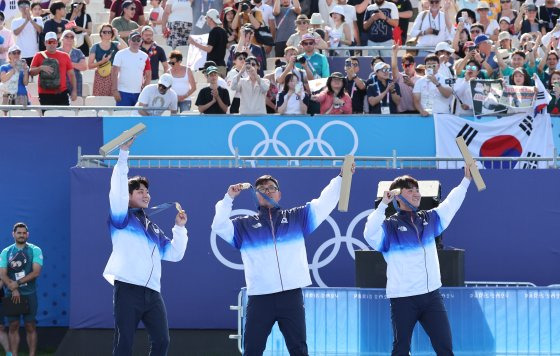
<point x="520" y="135"/>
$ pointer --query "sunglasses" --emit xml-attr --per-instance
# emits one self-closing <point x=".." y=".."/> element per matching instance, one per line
<point x="385" y="70"/>
<point x="349" y="64"/>
<point x="241" y="58"/>
<point x="475" y="31"/>
<point x="24" y="6"/>
<point x="302" y="22"/>
<point x="434" y="2"/>
<point x="473" y="68"/>
<point x="407" y="64"/>
<point x="308" y="43"/>
<point x="107" y="32"/>
<point x="171" y="63"/>
<point x="136" y="39"/>
<point x="69" y="36"/>
<point x="505" y="1"/>
<point x="52" y="41"/>
<point x="162" y="87"/>
<point x="17" y="53"/>
<point x="252" y="64"/>
<point x="131" y="8"/>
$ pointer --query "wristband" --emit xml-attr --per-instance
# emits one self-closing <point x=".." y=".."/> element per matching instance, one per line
<point x="438" y="85"/>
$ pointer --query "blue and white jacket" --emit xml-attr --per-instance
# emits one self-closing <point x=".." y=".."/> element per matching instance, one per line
<point x="407" y="241"/>
<point x="139" y="245"/>
<point x="272" y="243"/>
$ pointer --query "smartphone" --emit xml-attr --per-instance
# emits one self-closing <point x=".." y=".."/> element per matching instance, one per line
<point x="556" y="84"/>
<point x="429" y="71"/>
<point x="299" y="87"/>
<point x="464" y="15"/>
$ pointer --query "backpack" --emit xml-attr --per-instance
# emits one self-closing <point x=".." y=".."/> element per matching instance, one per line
<point x="52" y="80"/>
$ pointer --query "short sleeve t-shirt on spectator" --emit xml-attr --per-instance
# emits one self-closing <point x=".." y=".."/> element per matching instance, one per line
<point x="217" y="38"/>
<point x="64" y="65"/>
<point x="131" y="70"/>
<point x="21" y="87"/>
<point x="27" y="38"/>
<point x="205" y="96"/>
<point x="377" y="88"/>
<point x="380" y="30"/>
<point x="285" y="22"/>
<point x="151" y="97"/>
<point x="121" y="24"/>
<point x="157" y="56"/>
<point x="53" y="26"/>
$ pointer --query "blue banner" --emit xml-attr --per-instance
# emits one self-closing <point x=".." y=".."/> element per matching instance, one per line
<point x="505" y="236"/>
<point x="36" y="155"/>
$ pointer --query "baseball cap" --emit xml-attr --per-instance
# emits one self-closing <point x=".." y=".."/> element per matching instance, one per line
<point x="504" y="35"/>
<point x="506" y="19"/>
<point x="147" y="28"/>
<point x="211" y="69"/>
<point x="133" y="35"/>
<point x="214" y="15"/>
<point x="379" y="65"/>
<point x="444" y="46"/>
<point x="307" y="36"/>
<point x="166" y="80"/>
<point x="50" y="36"/>
<point x="481" y="38"/>
<point x="14" y="48"/>
<point x="337" y="75"/>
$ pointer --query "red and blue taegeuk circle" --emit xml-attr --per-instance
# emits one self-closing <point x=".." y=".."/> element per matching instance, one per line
<point x="501" y="146"/>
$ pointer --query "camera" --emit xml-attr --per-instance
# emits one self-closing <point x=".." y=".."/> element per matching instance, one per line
<point x="301" y="60"/>
<point x="450" y="81"/>
<point x="244" y="6"/>
<point x="435" y="32"/>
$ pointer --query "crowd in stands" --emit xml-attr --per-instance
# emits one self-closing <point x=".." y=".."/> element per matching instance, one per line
<point x="275" y="56"/>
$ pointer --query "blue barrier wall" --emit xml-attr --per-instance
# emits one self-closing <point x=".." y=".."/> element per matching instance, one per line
<point x="281" y="135"/>
<point x="509" y="233"/>
<point x="35" y="156"/>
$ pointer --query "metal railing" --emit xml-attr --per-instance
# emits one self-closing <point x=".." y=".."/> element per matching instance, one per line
<point x="499" y="284"/>
<point x="383" y="48"/>
<point x="238" y="161"/>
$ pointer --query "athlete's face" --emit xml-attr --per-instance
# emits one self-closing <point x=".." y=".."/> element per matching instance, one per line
<point x="412" y="195"/>
<point x="20" y="235"/>
<point x="269" y="189"/>
<point x="140" y="198"/>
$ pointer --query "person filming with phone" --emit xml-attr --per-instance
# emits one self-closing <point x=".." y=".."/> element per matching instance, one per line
<point x="431" y="93"/>
<point x="252" y="89"/>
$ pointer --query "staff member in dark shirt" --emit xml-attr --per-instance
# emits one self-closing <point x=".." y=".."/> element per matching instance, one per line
<point x="213" y="99"/>
<point x="355" y="85"/>
<point x="217" y="41"/>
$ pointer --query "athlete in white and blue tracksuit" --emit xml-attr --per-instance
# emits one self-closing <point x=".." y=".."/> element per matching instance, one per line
<point x="407" y="241"/>
<point x="134" y="267"/>
<point x="272" y="245"/>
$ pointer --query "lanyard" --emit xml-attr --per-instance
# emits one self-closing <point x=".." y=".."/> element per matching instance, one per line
<point x="271" y="201"/>
<point x="406" y="202"/>
<point x="379" y="91"/>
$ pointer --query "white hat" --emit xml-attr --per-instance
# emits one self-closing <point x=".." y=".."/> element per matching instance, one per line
<point x="166" y="80"/>
<point x="506" y="19"/>
<point x="316" y="19"/>
<point x="483" y="5"/>
<point x="50" y="36"/>
<point x="504" y="35"/>
<point x="337" y="10"/>
<point x="147" y="28"/>
<point x="214" y="15"/>
<point x="14" y="48"/>
<point x="444" y="46"/>
<point x="379" y="65"/>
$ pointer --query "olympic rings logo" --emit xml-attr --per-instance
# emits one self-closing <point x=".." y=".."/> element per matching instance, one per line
<point x="336" y="241"/>
<point x="282" y="149"/>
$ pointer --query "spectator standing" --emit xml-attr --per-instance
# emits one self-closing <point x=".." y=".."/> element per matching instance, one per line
<point x="292" y="100"/>
<point x="245" y="15"/>
<point x="57" y="23"/>
<point x="432" y="26"/>
<point x="383" y="95"/>
<point x="334" y="99"/>
<point x="20" y="266"/>
<point x="463" y="103"/>
<point x="492" y="29"/>
<point x="267" y="19"/>
<point x="527" y="21"/>
<point x="355" y="85"/>
<point x="83" y="25"/>
<point x="405" y="80"/>
<point x="316" y="62"/>
<point x="101" y="59"/>
<point x="285" y="13"/>
<point x="15" y="77"/>
<point x="183" y="80"/>
<point x="217" y="41"/>
<point x="431" y="94"/>
<point x="155" y="18"/>
<point x="340" y="33"/>
<point x="137" y="15"/>
<point x="554" y="90"/>
<point x="201" y="8"/>
<point x="302" y="25"/>
<point x="130" y="72"/>
<point x="549" y="13"/>
<point x="53" y="87"/>
<point x="239" y="63"/>
<point x="178" y="22"/>
<point x="76" y="56"/>
<point x="26" y="30"/>
<point x="228" y="17"/>
<point x="213" y="99"/>
<point x="245" y="45"/>
<point x="379" y="20"/>
<point x="404" y="7"/>
<point x="509" y="12"/>
<point x="252" y="89"/>
<point x="444" y="52"/>
<point x="303" y="75"/>
<point x="159" y="95"/>
<point x="125" y="24"/>
<point x="8" y="40"/>
<point x="155" y="53"/>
